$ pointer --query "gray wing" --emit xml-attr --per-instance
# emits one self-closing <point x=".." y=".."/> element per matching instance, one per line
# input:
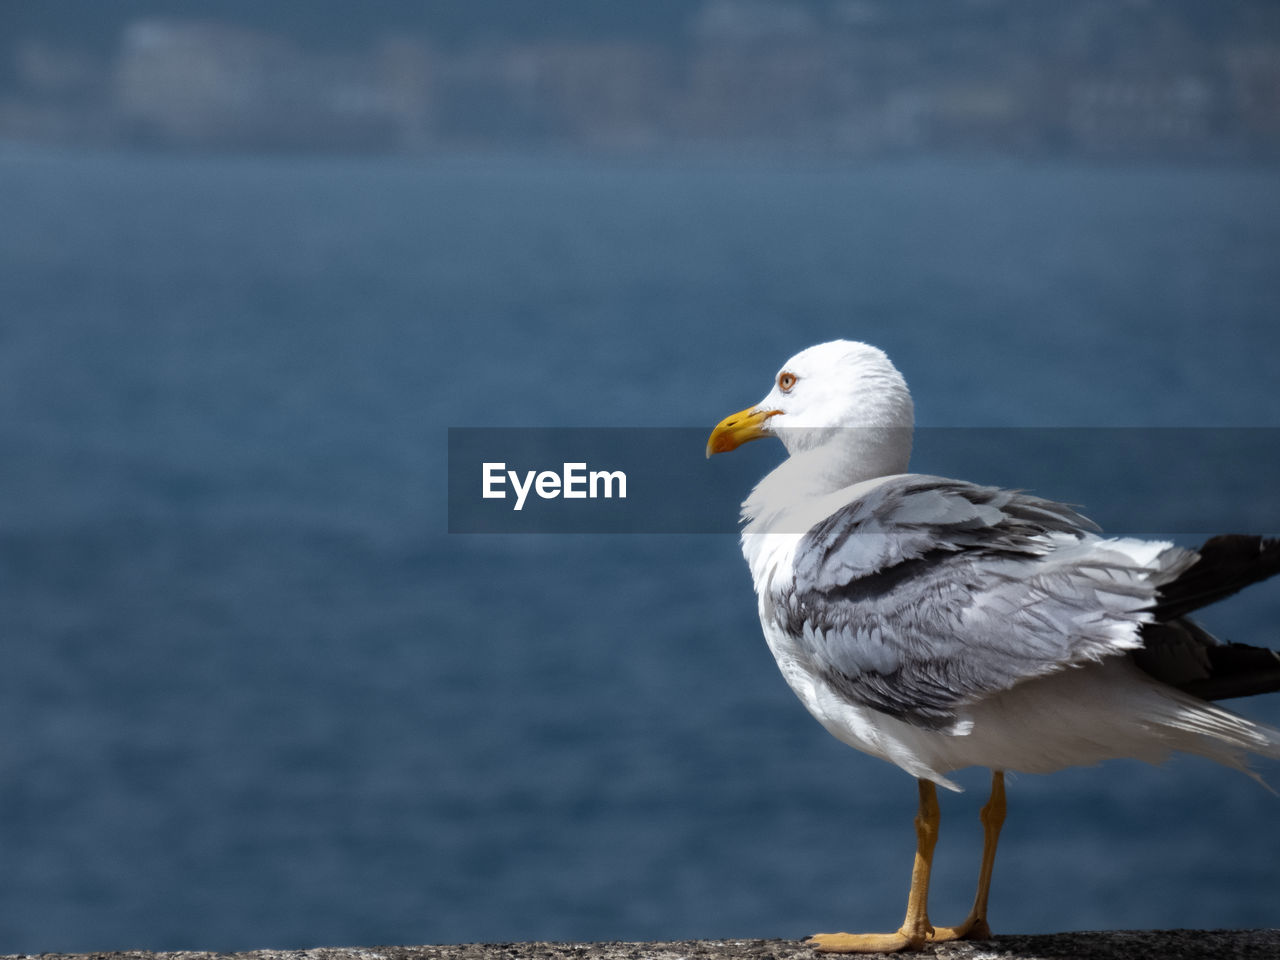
<point x="928" y="594"/>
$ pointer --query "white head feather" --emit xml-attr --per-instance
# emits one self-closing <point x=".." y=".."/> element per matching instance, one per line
<point x="845" y="416"/>
<point x="838" y="388"/>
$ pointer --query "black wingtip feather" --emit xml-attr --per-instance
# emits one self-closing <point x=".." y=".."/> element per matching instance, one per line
<point x="1237" y="670"/>
<point x="1227" y="564"/>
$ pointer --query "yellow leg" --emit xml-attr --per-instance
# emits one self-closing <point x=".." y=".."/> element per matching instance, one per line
<point x="915" y="931"/>
<point x="975" y="926"/>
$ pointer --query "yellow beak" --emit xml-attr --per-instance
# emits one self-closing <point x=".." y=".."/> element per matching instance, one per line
<point x="735" y="430"/>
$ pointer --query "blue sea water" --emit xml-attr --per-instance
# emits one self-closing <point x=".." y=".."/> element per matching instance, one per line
<point x="254" y="694"/>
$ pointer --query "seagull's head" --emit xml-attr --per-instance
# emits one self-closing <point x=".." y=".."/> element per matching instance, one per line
<point x="818" y="395"/>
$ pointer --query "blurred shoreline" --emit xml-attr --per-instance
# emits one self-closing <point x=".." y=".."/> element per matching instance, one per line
<point x="850" y="80"/>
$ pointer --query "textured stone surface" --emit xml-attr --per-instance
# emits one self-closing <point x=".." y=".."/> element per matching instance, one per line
<point x="1111" y="945"/>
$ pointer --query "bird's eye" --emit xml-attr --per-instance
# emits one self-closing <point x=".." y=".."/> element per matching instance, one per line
<point x="786" y="381"/>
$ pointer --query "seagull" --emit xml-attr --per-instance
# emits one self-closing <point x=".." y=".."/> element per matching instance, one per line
<point x="940" y="624"/>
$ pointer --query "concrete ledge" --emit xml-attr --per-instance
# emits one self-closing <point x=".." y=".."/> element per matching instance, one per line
<point x="1107" y="945"/>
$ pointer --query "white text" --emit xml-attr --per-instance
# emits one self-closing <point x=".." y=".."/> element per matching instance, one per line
<point x="573" y="482"/>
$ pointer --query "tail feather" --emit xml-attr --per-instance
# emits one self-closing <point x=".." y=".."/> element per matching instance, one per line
<point x="1228" y="729"/>
<point x="1222" y="736"/>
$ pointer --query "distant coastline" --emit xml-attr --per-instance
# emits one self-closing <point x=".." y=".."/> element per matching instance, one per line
<point x="851" y="80"/>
